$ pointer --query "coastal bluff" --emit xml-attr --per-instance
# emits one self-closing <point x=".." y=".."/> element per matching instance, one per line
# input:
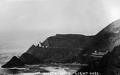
<point x="70" y="48"/>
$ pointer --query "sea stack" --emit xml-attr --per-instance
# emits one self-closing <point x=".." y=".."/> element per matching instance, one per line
<point x="14" y="62"/>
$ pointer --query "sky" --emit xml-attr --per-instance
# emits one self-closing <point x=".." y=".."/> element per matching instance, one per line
<point x="26" y="22"/>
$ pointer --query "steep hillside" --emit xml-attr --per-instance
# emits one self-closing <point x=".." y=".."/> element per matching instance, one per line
<point x="108" y="38"/>
<point x="105" y="40"/>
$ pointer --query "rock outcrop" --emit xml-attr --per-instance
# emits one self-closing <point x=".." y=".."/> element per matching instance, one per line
<point x="14" y="62"/>
<point x="29" y="59"/>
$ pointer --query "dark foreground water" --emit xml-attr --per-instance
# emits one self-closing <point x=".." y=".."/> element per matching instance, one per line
<point x="41" y="69"/>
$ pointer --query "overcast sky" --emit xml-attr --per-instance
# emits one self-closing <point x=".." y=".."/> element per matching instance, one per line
<point x="24" y="22"/>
